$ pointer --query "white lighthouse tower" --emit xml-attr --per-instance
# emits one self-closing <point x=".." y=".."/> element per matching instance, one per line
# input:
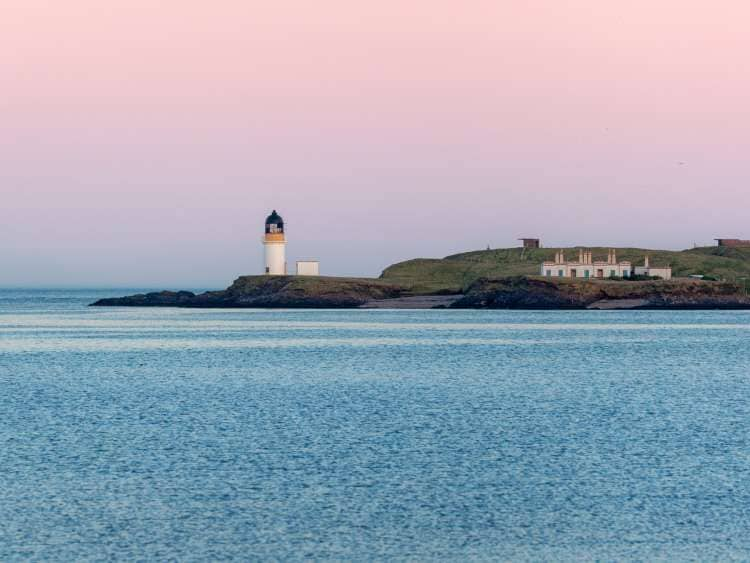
<point x="274" y="245"/>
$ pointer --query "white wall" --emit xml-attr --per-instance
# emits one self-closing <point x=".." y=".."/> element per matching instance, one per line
<point x="621" y="269"/>
<point x="663" y="273"/>
<point x="308" y="268"/>
<point x="275" y="258"/>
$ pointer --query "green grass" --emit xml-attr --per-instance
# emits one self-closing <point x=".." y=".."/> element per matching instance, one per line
<point x="454" y="273"/>
<point x="311" y="284"/>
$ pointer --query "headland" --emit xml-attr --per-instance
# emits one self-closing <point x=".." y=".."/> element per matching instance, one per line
<point x="704" y="278"/>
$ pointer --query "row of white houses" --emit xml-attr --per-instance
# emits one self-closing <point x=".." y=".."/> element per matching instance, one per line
<point x="586" y="267"/>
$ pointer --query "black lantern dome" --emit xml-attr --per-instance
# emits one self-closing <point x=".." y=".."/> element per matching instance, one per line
<point x="274" y="223"/>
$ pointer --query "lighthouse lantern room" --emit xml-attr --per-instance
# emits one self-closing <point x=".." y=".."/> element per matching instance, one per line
<point x="274" y="245"/>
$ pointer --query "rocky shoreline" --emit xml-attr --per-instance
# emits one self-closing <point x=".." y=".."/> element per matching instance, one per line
<point x="270" y="292"/>
<point x="519" y="292"/>
<point x="542" y="293"/>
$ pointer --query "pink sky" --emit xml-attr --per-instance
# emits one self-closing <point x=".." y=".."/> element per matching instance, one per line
<point x="143" y="143"/>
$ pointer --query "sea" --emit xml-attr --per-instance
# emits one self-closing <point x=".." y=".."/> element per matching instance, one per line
<point x="208" y="435"/>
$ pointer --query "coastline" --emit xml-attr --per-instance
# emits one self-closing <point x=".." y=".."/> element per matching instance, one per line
<point x="519" y="292"/>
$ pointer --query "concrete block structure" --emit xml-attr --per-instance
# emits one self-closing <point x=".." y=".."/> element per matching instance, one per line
<point x="308" y="268"/>
<point x="732" y="242"/>
<point x="531" y="242"/>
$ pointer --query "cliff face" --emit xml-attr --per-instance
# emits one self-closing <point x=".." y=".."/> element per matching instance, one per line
<point x="539" y="293"/>
<point x="270" y="291"/>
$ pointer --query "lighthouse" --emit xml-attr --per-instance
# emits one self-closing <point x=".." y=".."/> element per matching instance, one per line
<point x="274" y="245"/>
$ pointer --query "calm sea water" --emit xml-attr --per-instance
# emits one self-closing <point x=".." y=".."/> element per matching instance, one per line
<point x="165" y="434"/>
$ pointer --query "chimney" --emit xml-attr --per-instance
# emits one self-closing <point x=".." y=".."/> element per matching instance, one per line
<point x="646" y="262"/>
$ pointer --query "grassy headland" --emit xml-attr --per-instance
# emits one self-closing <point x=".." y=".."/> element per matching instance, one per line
<point x="454" y="274"/>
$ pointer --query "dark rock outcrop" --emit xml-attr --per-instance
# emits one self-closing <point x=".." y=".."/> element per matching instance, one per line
<point x="270" y="291"/>
<point x="541" y="293"/>
<point x="160" y="299"/>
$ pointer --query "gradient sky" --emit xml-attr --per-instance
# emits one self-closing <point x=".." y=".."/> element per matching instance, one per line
<point x="143" y="143"/>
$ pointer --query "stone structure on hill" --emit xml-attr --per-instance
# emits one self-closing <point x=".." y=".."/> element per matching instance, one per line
<point x="732" y="242"/>
<point x="531" y="242"/>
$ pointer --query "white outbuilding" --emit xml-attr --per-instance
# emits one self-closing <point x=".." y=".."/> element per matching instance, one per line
<point x="664" y="273"/>
<point x="308" y="268"/>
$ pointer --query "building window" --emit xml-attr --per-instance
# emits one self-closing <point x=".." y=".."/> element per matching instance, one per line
<point x="586" y="273"/>
<point x="560" y="273"/>
<point x="626" y="274"/>
<point x="549" y="273"/>
<point x="574" y="273"/>
<point x="268" y="270"/>
<point x="612" y="273"/>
